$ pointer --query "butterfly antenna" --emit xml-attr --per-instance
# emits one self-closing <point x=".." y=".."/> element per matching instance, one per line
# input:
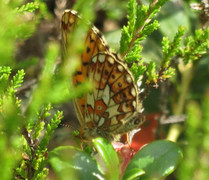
<point x="68" y="126"/>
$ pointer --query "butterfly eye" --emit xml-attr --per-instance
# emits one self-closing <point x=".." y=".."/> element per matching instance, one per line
<point x="137" y="121"/>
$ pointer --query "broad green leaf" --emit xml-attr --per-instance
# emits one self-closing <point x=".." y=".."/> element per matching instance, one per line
<point x="133" y="174"/>
<point x="109" y="156"/>
<point x="71" y="163"/>
<point x="157" y="159"/>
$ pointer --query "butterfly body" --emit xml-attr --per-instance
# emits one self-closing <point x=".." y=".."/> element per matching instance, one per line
<point x="113" y="107"/>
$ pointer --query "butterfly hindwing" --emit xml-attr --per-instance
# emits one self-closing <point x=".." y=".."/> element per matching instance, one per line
<point x="114" y="98"/>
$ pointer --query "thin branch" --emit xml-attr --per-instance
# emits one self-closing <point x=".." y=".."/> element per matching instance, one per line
<point x="136" y="35"/>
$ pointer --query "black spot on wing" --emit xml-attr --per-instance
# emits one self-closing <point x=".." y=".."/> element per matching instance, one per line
<point x="99" y="35"/>
<point x="88" y="50"/>
<point x="78" y="73"/>
<point x="85" y="63"/>
<point x="91" y="39"/>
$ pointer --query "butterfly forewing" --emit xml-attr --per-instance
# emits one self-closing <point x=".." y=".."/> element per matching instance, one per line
<point x="112" y="107"/>
<point x="93" y="44"/>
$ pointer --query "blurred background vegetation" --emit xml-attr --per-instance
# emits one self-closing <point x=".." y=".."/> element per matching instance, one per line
<point x="30" y="40"/>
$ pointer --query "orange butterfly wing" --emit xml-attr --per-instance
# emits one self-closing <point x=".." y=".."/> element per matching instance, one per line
<point x="94" y="43"/>
<point x="113" y="106"/>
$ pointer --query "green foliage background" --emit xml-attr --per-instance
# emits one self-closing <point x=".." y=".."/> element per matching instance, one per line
<point x="174" y="45"/>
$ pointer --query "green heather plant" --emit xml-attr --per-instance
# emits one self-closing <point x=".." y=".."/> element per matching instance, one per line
<point x="27" y="123"/>
<point x="25" y="133"/>
<point x="195" y="165"/>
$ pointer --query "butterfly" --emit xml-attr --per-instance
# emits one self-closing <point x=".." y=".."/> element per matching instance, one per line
<point x="113" y="107"/>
